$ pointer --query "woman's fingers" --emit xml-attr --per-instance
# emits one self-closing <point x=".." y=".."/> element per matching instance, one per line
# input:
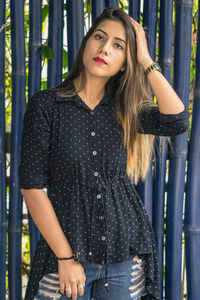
<point x="68" y="291"/>
<point x="143" y="55"/>
<point x="62" y="287"/>
<point x="81" y="288"/>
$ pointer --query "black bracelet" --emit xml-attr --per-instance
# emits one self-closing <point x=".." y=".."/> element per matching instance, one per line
<point x="65" y="258"/>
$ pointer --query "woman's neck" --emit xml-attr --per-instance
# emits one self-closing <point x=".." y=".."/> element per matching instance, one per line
<point x="93" y="90"/>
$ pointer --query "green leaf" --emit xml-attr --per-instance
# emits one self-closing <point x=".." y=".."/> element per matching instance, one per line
<point x="45" y="12"/>
<point x="65" y="59"/>
<point x="47" y="52"/>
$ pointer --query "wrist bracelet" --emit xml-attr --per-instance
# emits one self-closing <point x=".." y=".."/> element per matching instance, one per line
<point x="153" y="66"/>
<point x="65" y="258"/>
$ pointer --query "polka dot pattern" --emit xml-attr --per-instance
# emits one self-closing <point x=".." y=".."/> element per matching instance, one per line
<point x="78" y="154"/>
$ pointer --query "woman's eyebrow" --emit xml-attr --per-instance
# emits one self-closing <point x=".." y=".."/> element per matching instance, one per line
<point x="117" y="38"/>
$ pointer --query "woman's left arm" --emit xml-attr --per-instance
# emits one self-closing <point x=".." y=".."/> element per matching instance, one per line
<point x="168" y="100"/>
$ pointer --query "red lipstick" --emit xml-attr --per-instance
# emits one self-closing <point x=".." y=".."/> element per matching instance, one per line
<point x="100" y="60"/>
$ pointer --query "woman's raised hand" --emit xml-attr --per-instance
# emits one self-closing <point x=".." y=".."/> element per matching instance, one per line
<point x="72" y="278"/>
<point x="143" y="55"/>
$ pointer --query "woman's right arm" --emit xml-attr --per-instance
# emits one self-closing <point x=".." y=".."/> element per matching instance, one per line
<point x="44" y="217"/>
<point x="33" y="175"/>
<point x="71" y="272"/>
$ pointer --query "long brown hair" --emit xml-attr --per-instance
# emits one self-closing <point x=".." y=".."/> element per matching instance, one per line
<point x="130" y="93"/>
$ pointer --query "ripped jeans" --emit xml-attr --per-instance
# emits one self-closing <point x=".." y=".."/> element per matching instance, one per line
<point x="126" y="282"/>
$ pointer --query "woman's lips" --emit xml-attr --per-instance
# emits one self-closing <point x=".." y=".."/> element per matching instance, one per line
<point x="99" y="61"/>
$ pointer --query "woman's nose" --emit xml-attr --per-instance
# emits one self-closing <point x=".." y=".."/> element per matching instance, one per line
<point x="104" y="49"/>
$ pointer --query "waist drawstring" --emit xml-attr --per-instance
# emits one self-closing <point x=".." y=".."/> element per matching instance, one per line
<point x="106" y="234"/>
<point x="106" y="275"/>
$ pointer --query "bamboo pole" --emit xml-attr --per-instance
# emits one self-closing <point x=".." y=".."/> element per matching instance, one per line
<point x="75" y="31"/>
<point x="55" y="41"/>
<point x="112" y="3"/>
<point x="3" y="206"/>
<point x="34" y="81"/>
<point x="97" y="8"/>
<point x="18" y="108"/>
<point x="192" y="207"/>
<point x="165" y="61"/>
<point x="178" y="154"/>
<point x="145" y="188"/>
<point x="134" y="10"/>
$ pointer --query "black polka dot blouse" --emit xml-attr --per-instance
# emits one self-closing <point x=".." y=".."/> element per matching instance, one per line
<point x="78" y="154"/>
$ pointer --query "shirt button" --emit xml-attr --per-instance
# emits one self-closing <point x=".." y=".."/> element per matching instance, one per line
<point x="90" y="253"/>
<point x="103" y="238"/>
<point x="96" y="173"/>
<point x="100" y="217"/>
<point x="92" y="113"/>
<point x="93" y="133"/>
<point x="94" y="152"/>
<point x="98" y="196"/>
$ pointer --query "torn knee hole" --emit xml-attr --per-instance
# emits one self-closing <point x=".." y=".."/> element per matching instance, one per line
<point x="46" y="293"/>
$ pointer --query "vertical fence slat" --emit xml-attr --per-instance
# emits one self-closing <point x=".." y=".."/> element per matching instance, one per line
<point x="192" y="207"/>
<point x="150" y="22"/>
<point x="18" y="107"/>
<point x="134" y="9"/>
<point x="55" y="41"/>
<point x="3" y="207"/>
<point x="165" y="61"/>
<point x="34" y="82"/>
<point x="97" y="8"/>
<point x="112" y="3"/>
<point x="75" y="28"/>
<point x="178" y="155"/>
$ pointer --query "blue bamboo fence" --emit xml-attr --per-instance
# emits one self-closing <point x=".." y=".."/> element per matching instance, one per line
<point x="134" y="10"/>
<point x="55" y="41"/>
<point x="153" y="189"/>
<point x="192" y="207"/>
<point x="18" y="107"/>
<point x="3" y="206"/>
<point x="112" y="3"/>
<point x="75" y="26"/>
<point x="165" y="61"/>
<point x="97" y="8"/>
<point x="145" y="188"/>
<point x="34" y="81"/>
<point x="178" y="154"/>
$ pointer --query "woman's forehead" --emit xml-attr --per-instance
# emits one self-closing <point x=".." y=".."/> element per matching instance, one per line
<point x="112" y="27"/>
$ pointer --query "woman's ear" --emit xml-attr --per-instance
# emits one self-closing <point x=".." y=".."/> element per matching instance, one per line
<point x="123" y="68"/>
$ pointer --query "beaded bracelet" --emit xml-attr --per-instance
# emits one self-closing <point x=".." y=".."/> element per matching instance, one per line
<point x="65" y="258"/>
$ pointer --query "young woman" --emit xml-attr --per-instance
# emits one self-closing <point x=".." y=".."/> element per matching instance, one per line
<point x="88" y="140"/>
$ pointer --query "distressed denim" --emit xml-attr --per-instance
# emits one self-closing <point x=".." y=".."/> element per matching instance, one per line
<point x="126" y="282"/>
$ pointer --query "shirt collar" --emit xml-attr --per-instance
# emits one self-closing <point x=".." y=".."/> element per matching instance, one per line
<point x="77" y="99"/>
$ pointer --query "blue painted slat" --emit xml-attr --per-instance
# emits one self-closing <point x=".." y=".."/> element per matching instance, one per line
<point x="150" y="22"/>
<point x="55" y="41"/>
<point x="18" y="107"/>
<point x="75" y="25"/>
<point x="134" y="9"/>
<point x="3" y="206"/>
<point x="97" y="8"/>
<point x="112" y="3"/>
<point x="165" y="61"/>
<point x="34" y="82"/>
<point x="192" y="207"/>
<point x="179" y="154"/>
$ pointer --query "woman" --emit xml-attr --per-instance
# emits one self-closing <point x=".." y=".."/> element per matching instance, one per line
<point x="88" y="140"/>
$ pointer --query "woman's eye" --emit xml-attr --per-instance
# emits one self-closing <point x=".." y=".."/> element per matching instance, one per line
<point x="119" y="46"/>
<point x="98" y="37"/>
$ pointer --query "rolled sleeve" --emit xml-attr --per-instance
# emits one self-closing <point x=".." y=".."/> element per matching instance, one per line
<point x="154" y="122"/>
<point x="33" y="169"/>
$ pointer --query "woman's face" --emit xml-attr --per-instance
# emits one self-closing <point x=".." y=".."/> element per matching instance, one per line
<point x="105" y="51"/>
